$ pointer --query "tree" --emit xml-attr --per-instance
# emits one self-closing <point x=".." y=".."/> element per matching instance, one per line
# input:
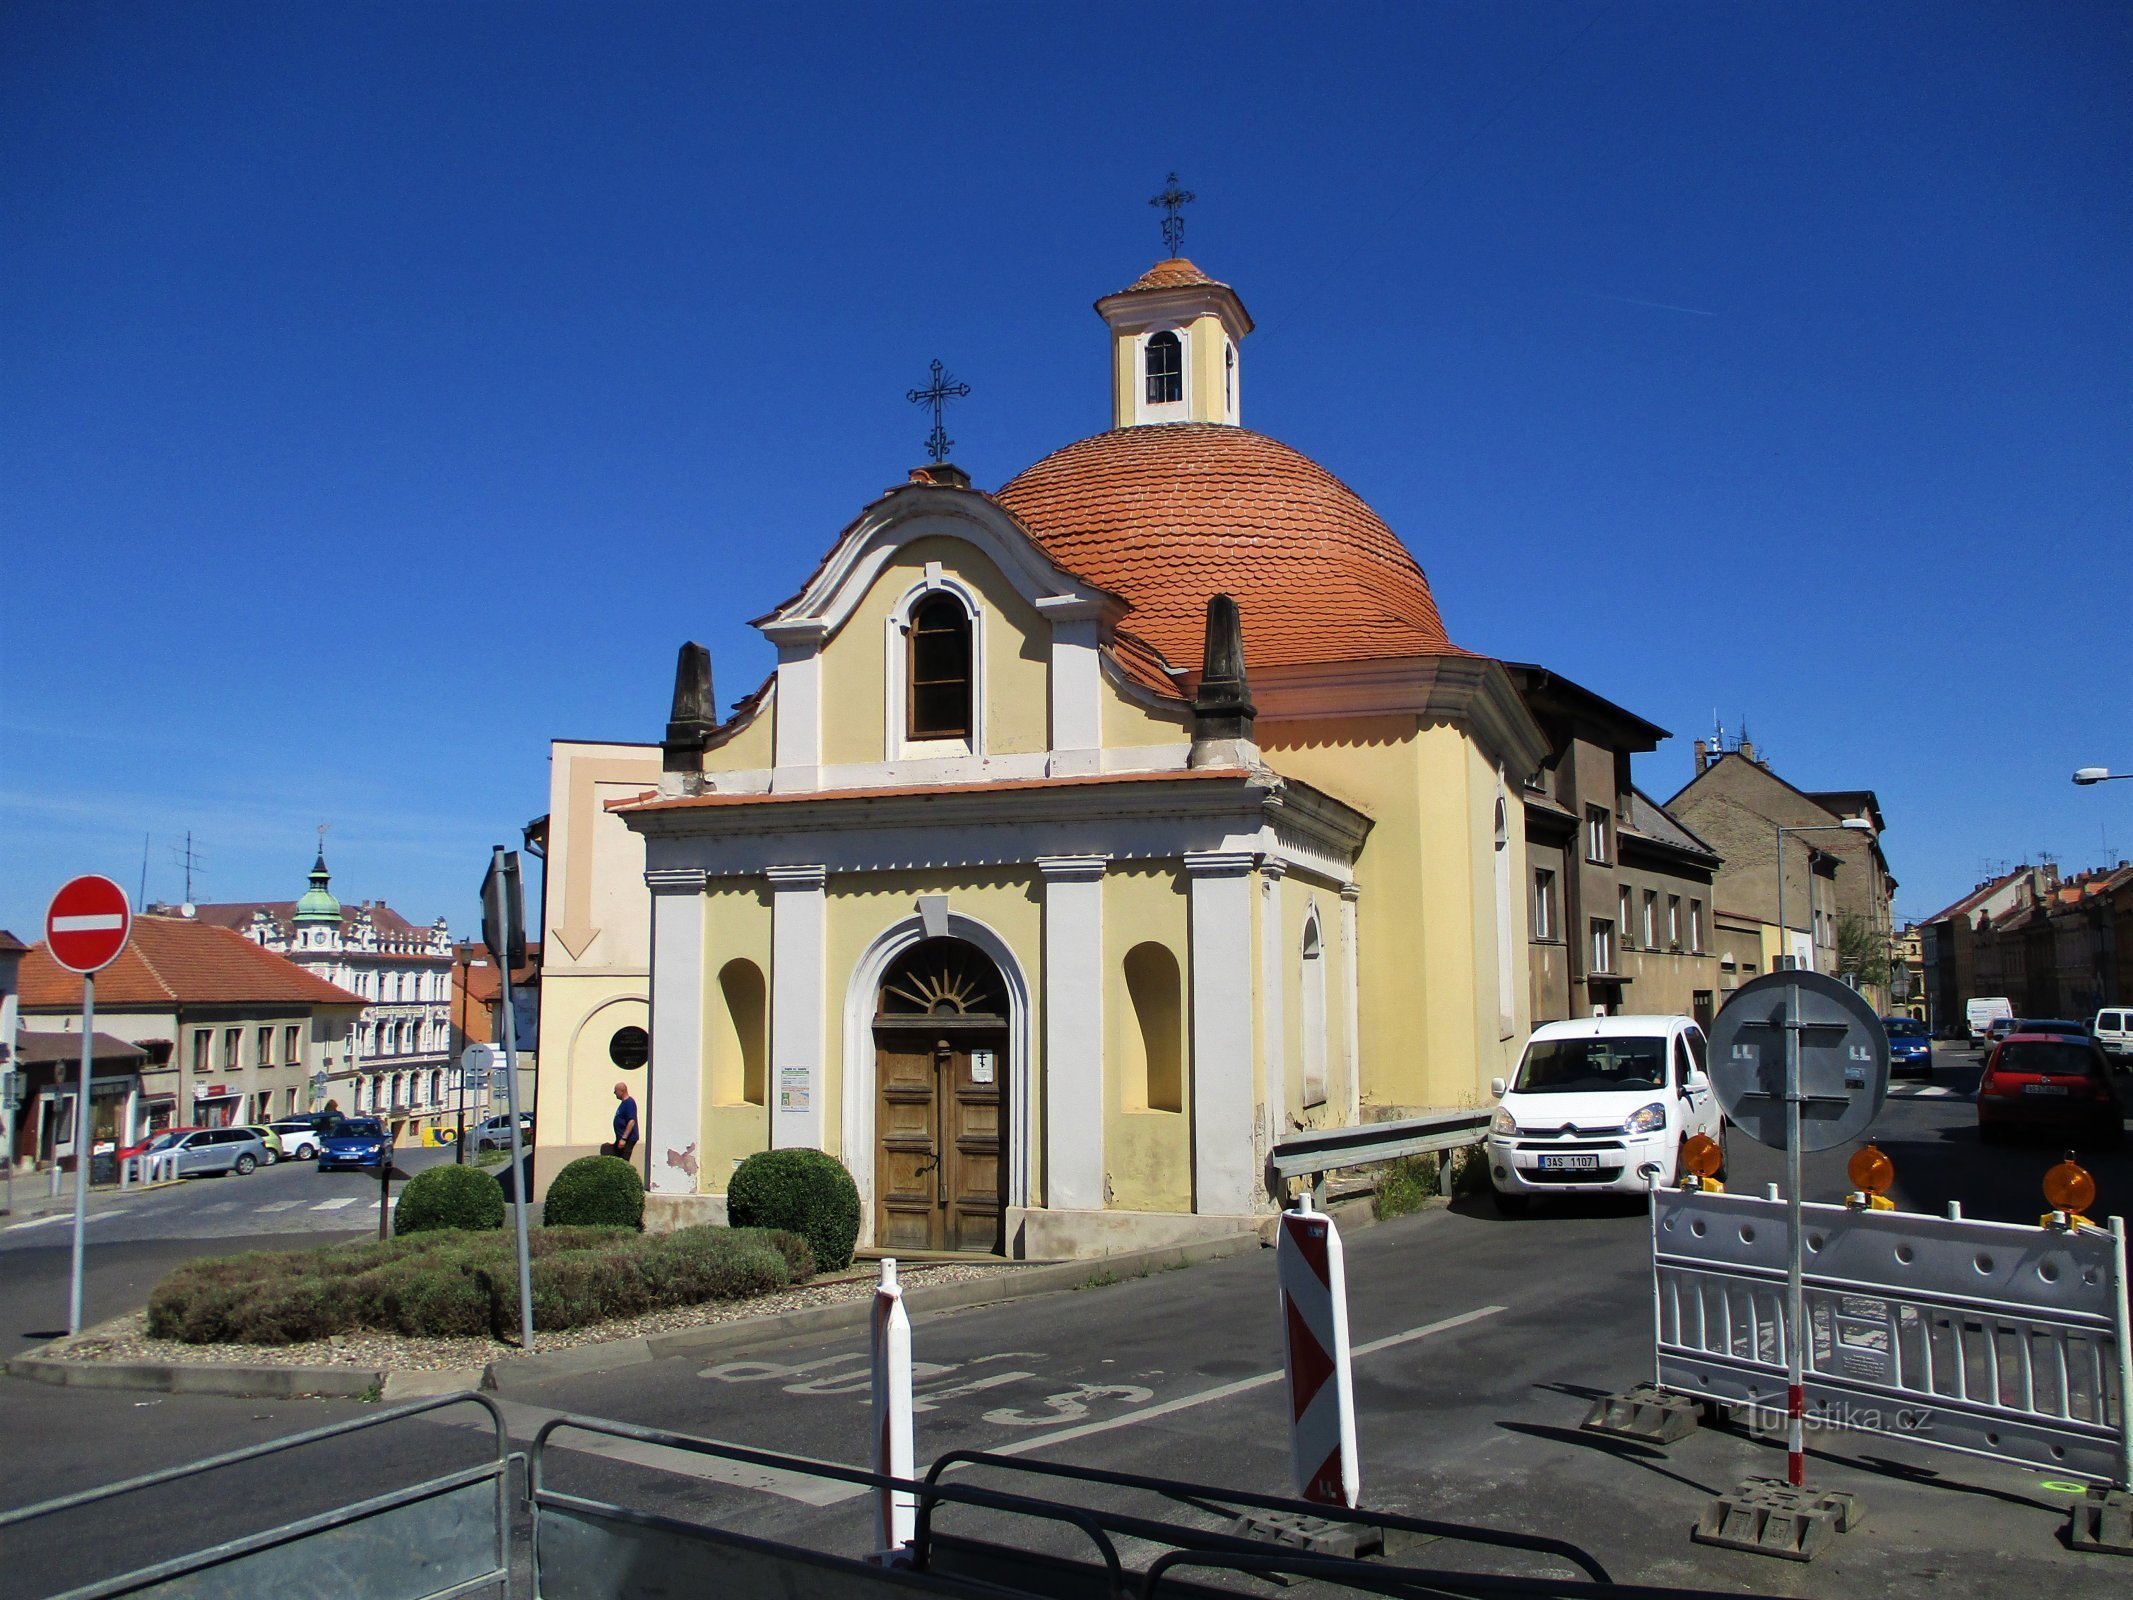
<point x="1861" y="952"/>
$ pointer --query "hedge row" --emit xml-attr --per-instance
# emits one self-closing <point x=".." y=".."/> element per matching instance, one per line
<point x="466" y="1284"/>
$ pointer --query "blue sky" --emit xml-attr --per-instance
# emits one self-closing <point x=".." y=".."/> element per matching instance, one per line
<point x="390" y="388"/>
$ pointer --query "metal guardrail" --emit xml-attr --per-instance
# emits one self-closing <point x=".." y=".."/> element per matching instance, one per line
<point x="444" y="1536"/>
<point x="1985" y="1337"/>
<point x="1312" y="1155"/>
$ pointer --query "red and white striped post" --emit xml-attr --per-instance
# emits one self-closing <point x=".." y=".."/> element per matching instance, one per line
<point x="1313" y="1276"/>
<point x="895" y="1510"/>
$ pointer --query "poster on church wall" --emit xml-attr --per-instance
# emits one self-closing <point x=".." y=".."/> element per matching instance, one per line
<point x="792" y="1088"/>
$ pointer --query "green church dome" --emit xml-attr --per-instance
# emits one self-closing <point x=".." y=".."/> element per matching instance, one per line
<point x="318" y="904"/>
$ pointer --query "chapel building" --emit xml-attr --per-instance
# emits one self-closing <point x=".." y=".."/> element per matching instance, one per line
<point x="1091" y="836"/>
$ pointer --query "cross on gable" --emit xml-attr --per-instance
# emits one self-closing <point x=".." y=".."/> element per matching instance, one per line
<point x="937" y="394"/>
<point x="1173" y="202"/>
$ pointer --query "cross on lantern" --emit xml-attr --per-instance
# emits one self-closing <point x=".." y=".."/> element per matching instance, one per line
<point x="1173" y="200"/>
<point x="937" y="394"/>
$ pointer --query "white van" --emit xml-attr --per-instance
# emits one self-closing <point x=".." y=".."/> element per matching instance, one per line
<point x="1980" y="1013"/>
<point x="2113" y="1033"/>
<point x="1597" y="1102"/>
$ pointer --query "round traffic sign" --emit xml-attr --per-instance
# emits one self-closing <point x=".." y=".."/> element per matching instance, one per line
<point x="87" y="923"/>
<point x="1844" y="1059"/>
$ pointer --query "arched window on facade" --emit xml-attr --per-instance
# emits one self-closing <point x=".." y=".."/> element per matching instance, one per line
<point x="937" y="697"/>
<point x="1166" y="369"/>
<point x="1155" y="1065"/>
<point x="1314" y="1013"/>
<point x="738" y="1036"/>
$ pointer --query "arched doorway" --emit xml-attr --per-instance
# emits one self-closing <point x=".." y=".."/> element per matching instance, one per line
<point x="941" y="1113"/>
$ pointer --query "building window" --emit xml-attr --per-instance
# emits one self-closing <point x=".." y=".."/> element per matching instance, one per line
<point x="292" y="1044"/>
<point x="938" y="698"/>
<point x="1314" y="1015"/>
<point x="232" y="1043"/>
<point x="200" y="1049"/>
<point x="1596" y="826"/>
<point x="1651" y="919"/>
<point x="265" y="1042"/>
<point x="1626" y="913"/>
<point x="1603" y="945"/>
<point x="1673" y="922"/>
<point x="1229" y="380"/>
<point x="1166" y="369"/>
<point x="1155" y="1068"/>
<point x="1543" y="904"/>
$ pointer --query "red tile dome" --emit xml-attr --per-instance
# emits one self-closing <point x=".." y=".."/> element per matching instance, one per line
<point x="1168" y="515"/>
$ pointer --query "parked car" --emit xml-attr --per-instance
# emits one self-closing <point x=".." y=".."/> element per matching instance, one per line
<point x="301" y="1136"/>
<point x="1596" y="1102"/>
<point x="2049" y="1081"/>
<point x="1998" y="1029"/>
<point x="143" y="1145"/>
<point x="271" y="1138"/>
<point x="2113" y="1033"/>
<point x="356" y="1142"/>
<point x="495" y="1134"/>
<point x="1910" y="1051"/>
<point x="202" y="1151"/>
<point x="2057" y="1025"/>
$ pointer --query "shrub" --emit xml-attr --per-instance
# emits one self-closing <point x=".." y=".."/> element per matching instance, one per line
<point x="803" y="1192"/>
<point x="1404" y="1184"/>
<point x="595" y="1191"/>
<point x="449" y="1197"/>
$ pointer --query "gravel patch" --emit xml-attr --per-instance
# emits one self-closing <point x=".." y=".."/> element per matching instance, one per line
<point x="126" y="1339"/>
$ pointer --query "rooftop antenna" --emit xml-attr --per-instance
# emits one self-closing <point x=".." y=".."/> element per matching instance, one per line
<point x="189" y="858"/>
<point x="142" y="898"/>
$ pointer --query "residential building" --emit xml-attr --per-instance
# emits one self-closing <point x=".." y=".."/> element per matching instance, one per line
<point x="477" y="1012"/>
<point x="1620" y="894"/>
<point x="229" y="1032"/>
<point x="50" y="1064"/>
<point x="1091" y="836"/>
<point x="1910" y="996"/>
<point x="402" y="971"/>
<point x="1949" y="941"/>
<point x="1736" y="804"/>
<point x="12" y="951"/>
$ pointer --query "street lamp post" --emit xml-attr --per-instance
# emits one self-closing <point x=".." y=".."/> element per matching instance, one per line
<point x="459" y="1115"/>
<point x="2085" y="776"/>
<point x="1848" y="825"/>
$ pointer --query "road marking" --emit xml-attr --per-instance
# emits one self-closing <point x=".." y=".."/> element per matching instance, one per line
<point x="1921" y="1091"/>
<point x="335" y="1205"/>
<point x="282" y="1205"/>
<point x="1224" y="1390"/>
<point x="64" y="1216"/>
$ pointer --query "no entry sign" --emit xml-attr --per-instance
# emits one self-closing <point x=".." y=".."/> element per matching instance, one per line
<point x="87" y="924"/>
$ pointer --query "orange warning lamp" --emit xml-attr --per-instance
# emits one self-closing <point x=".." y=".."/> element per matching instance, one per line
<point x="2069" y="1188"/>
<point x="1700" y="1154"/>
<point x="1870" y="1170"/>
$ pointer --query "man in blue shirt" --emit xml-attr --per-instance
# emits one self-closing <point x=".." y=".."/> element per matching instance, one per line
<point x="625" y="1144"/>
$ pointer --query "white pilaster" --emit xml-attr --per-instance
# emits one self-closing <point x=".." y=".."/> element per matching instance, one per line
<point x="1224" y="1180"/>
<point x="1273" y="1023"/>
<point x="674" y="1089"/>
<point x="1352" y="988"/>
<point x="1073" y="1032"/>
<point x="1076" y="686"/>
<point x="797" y="1076"/>
<point x="797" y="728"/>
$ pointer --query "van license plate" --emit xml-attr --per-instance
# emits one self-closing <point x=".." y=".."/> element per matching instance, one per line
<point x="1570" y="1163"/>
<point x="2044" y="1088"/>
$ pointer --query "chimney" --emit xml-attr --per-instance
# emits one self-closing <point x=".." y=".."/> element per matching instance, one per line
<point x="1703" y="757"/>
<point x="695" y="714"/>
<point x="1222" y="709"/>
<point x="1748" y="750"/>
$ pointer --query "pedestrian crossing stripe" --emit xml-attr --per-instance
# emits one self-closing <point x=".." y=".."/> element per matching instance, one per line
<point x="1921" y="1091"/>
<point x="335" y="1205"/>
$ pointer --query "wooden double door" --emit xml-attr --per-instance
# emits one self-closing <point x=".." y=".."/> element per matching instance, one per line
<point x="940" y="1121"/>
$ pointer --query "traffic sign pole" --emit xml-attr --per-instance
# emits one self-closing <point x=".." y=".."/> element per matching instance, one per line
<point x="504" y="932"/>
<point x="1795" y="1268"/>
<point x="82" y="1144"/>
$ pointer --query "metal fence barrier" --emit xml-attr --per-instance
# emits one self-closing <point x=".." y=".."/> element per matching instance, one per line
<point x="1987" y="1337"/>
<point x="1312" y="1155"/>
<point x="444" y="1536"/>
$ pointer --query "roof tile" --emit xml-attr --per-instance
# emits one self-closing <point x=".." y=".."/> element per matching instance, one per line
<point x="175" y="961"/>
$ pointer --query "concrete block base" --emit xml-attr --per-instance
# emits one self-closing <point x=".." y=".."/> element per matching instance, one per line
<point x="663" y="1213"/>
<point x="1767" y="1518"/>
<point x="1047" y="1235"/>
<point x="2102" y="1522"/>
<point x="1351" y="1541"/>
<point x="1647" y="1413"/>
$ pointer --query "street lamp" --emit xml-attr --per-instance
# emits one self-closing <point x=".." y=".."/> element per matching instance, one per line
<point x="2088" y="775"/>
<point x="1848" y="825"/>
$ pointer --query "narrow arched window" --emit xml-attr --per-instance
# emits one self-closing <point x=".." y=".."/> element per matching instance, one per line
<point x="1314" y="1014"/>
<point x="1166" y="369"/>
<point x="938" y="698"/>
<point x="1155" y="1067"/>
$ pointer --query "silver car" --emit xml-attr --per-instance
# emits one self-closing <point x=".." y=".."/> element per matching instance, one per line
<point x="205" y="1151"/>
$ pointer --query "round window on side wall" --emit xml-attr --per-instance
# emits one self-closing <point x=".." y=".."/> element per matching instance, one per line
<point x="629" y="1048"/>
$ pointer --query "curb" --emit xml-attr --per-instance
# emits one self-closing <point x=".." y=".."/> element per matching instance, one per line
<point x="515" y="1372"/>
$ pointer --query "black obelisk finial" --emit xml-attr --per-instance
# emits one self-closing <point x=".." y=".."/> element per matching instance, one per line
<point x="695" y="711"/>
<point x="1223" y="709"/>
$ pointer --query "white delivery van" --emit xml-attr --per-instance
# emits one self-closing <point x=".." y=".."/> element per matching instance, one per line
<point x="1595" y="1103"/>
<point x="1979" y="1013"/>
<point x="2113" y="1034"/>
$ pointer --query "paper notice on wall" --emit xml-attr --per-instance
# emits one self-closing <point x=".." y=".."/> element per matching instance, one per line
<point x="792" y="1088"/>
<point x="981" y="1066"/>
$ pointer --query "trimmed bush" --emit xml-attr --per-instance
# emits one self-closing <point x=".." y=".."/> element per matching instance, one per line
<point x="449" y="1197"/>
<point x="803" y="1192"/>
<point x="595" y="1192"/>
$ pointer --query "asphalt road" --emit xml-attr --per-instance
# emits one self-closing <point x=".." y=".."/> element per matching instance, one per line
<point x="1480" y="1342"/>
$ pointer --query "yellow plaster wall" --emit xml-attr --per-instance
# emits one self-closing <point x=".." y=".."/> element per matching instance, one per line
<point x="1147" y="1154"/>
<point x="750" y="747"/>
<point x="736" y="927"/>
<point x="1373" y="763"/>
<point x="1015" y="671"/>
<point x="1206" y="344"/>
<point x="1298" y="896"/>
<point x="1128" y="722"/>
<point x="859" y="907"/>
<point x="574" y="1103"/>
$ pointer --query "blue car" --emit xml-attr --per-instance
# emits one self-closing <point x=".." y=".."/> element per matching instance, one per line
<point x="358" y="1142"/>
<point x="1910" y="1050"/>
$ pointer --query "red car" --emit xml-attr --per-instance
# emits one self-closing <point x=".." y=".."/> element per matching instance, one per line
<point x="139" y="1145"/>
<point x="2049" y="1082"/>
